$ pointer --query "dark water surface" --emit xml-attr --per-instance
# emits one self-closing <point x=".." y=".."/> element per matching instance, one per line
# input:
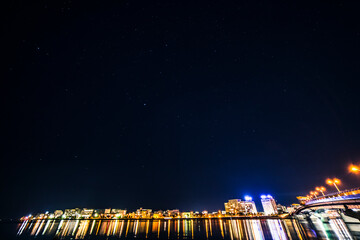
<point x="182" y="229"/>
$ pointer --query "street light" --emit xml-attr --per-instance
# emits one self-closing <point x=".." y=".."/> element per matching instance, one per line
<point x="321" y="189"/>
<point x="334" y="182"/>
<point x="354" y="169"/>
<point x="313" y="193"/>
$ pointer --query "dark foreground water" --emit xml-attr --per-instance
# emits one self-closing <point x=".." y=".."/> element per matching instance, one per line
<point x="182" y="229"/>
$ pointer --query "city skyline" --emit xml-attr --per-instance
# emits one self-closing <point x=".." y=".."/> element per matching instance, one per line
<point x="247" y="199"/>
<point x="234" y="207"/>
<point x="269" y="205"/>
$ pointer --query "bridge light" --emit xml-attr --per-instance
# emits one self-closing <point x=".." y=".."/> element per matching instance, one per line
<point x="354" y="168"/>
<point x="329" y="181"/>
<point x="321" y="189"/>
<point x="313" y="194"/>
<point x="334" y="182"/>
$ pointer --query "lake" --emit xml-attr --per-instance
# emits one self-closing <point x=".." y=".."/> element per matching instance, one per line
<point x="310" y="228"/>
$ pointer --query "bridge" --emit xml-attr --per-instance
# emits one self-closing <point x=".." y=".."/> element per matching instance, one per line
<point x="346" y="200"/>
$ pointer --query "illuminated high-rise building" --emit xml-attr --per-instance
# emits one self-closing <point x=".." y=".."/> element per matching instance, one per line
<point x="236" y="206"/>
<point x="249" y="205"/>
<point x="233" y="206"/>
<point x="269" y="205"/>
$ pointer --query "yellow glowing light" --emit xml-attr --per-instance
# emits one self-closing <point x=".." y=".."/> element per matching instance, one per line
<point x="354" y="168"/>
<point x="334" y="182"/>
<point x="329" y="181"/>
<point x="321" y="189"/>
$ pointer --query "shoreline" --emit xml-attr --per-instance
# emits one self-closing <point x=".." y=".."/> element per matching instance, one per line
<point x="154" y="219"/>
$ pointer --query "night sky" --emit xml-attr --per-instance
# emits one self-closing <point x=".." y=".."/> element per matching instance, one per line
<point x="175" y="104"/>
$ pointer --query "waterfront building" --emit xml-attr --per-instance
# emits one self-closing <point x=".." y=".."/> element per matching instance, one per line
<point x="40" y="216"/>
<point x="249" y="206"/>
<point x="172" y="213"/>
<point x="158" y="214"/>
<point x="187" y="214"/>
<point x="233" y="206"/>
<point x="58" y="213"/>
<point x="143" y="213"/>
<point x="205" y="213"/>
<point x="238" y="207"/>
<point x="269" y="205"/>
<point x="86" y="213"/>
<point x="72" y="213"/>
<point x="118" y="212"/>
<point x="107" y="213"/>
<point x="131" y="215"/>
<point x="196" y="214"/>
<point x="98" y="213"/>
<point x="214" y="214"/>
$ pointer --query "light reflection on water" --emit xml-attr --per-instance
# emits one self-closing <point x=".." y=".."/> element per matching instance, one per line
<point x="185" y="229"/>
